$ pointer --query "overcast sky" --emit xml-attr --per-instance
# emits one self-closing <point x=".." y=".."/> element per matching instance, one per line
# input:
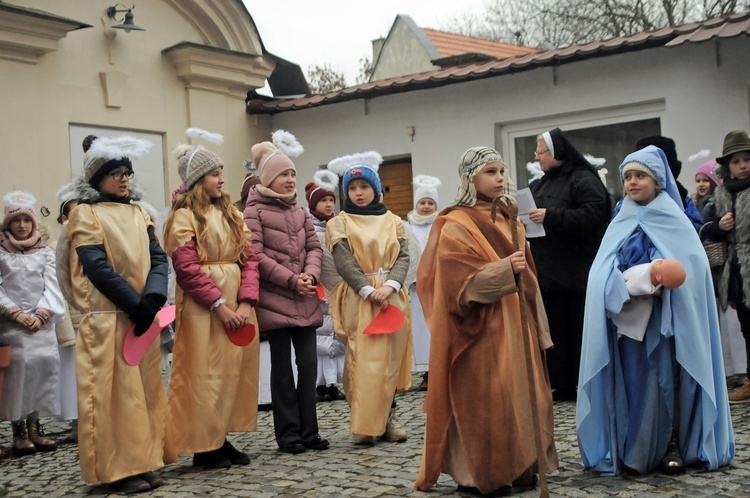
<point x="340" y="32"/>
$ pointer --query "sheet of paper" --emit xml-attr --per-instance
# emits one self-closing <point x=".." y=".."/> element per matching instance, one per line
<point x="525" y="205"/>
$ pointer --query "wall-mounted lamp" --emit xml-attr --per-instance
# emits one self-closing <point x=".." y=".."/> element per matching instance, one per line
<point x="411" y="131"/>
<point x="127" y="22"/>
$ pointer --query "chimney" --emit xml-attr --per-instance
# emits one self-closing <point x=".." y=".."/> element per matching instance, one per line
<point x="377" y="46"/>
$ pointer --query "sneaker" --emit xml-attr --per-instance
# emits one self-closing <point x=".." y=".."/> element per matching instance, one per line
<point x="423" y="385"/>
<point x="235" y="456"/>
<point x="363" y="440"/>
<point x="394" y="431"/>
<point x="132" y="484"/>
<point x="321" y="394"/>
<point x="334" y="393"/>
<point x="741" y="395"/>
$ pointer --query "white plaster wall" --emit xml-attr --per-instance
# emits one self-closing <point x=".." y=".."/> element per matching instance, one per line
<point x="696" y="101"/>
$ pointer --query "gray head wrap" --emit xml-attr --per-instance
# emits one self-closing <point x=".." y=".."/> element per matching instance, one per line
<point x="472" y="162"/>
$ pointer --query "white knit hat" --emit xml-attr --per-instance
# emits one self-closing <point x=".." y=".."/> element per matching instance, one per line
<point x="426" y="187"/>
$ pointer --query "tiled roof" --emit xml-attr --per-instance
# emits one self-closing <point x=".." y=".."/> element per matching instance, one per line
<point x="450" y="44"/>
<point x="723" y="27"/>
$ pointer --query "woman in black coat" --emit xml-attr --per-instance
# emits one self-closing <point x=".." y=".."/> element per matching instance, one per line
<point x="574" y="207"/>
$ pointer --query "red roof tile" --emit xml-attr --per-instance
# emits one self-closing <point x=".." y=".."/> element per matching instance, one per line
<point x="723" y="27"/>
<point x="450" y="44"/>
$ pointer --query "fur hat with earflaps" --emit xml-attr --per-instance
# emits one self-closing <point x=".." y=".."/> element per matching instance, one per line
<point x="194" y="162"/>
<point x="273" y="158"/>
<point x="360" y="166"/>
<point x="106" y="154"/>
<point x="16" y="204"/>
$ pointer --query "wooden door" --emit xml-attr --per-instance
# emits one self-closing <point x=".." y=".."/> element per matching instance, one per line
<point x="397" y="187"/>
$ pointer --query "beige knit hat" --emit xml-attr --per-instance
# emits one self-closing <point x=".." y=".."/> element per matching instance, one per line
<point x="634" y="166"/>
<point x="273" y="158"/>
<point x="194" y="162"/>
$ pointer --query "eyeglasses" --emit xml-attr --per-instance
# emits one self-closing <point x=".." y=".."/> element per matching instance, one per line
<point x="538" y="153"/>
<point x="119" y="175"/>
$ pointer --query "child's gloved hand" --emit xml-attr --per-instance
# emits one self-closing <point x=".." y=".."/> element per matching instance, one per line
<point x="145" y="312"/>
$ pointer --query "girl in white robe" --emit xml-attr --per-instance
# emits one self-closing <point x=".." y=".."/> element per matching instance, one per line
<point x="31" y="303"/>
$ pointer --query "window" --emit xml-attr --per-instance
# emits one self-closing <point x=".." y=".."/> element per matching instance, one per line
<point x="612" y="142"/>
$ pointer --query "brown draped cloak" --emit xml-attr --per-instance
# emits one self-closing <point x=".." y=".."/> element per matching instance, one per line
<point x="479" y="423"/>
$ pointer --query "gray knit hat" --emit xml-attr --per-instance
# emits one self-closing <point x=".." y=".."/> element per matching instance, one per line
<point x="195" y="162"/>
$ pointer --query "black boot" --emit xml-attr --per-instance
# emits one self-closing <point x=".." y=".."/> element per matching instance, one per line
<point x="213" y="459"/>
<point x="235" y="456"/>
<point x="672" y="463"/>
<point x="321" y="394"/>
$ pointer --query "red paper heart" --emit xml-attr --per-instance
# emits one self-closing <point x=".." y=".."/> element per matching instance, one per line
<point x="386" y="322"/>
<point x="321" y="291"/>
<point x="135" y="347"/>
<point x="241" y="337"/>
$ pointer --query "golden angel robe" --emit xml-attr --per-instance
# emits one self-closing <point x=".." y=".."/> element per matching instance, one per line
<point x="479" y="422"/>
<point x="121" y="408"/>
<point x="214" y="383"/>
<point x="376" y="366"/>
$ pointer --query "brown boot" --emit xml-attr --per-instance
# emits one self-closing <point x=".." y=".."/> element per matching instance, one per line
<point x="21" y="443"/>
<point x="36" y="435"/>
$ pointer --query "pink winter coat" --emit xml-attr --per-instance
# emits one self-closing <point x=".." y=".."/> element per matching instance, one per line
<point x="286" y="245"/>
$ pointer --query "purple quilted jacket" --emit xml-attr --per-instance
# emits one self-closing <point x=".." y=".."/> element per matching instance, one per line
<point x="286" y="245"/>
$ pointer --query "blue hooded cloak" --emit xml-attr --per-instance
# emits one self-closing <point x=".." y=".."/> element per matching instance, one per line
<point x="626" y="396"/>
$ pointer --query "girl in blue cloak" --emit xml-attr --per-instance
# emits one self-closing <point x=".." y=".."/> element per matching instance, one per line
<point x="662" y="400"/>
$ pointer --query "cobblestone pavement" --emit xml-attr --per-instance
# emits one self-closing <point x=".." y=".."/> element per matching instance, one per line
<point x="387" y="469"/>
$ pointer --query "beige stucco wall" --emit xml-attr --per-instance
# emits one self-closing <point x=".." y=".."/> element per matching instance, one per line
<point x="402" y="53"/>
<point x="39" y="101"/>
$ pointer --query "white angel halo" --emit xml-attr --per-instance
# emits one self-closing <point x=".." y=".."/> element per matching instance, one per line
<point x="19" y="200"/>
<point x="114" y="148"/>
<point x="342" y="164"/>
<point x="327" y="180"/>
<point x="287" y="143"/>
